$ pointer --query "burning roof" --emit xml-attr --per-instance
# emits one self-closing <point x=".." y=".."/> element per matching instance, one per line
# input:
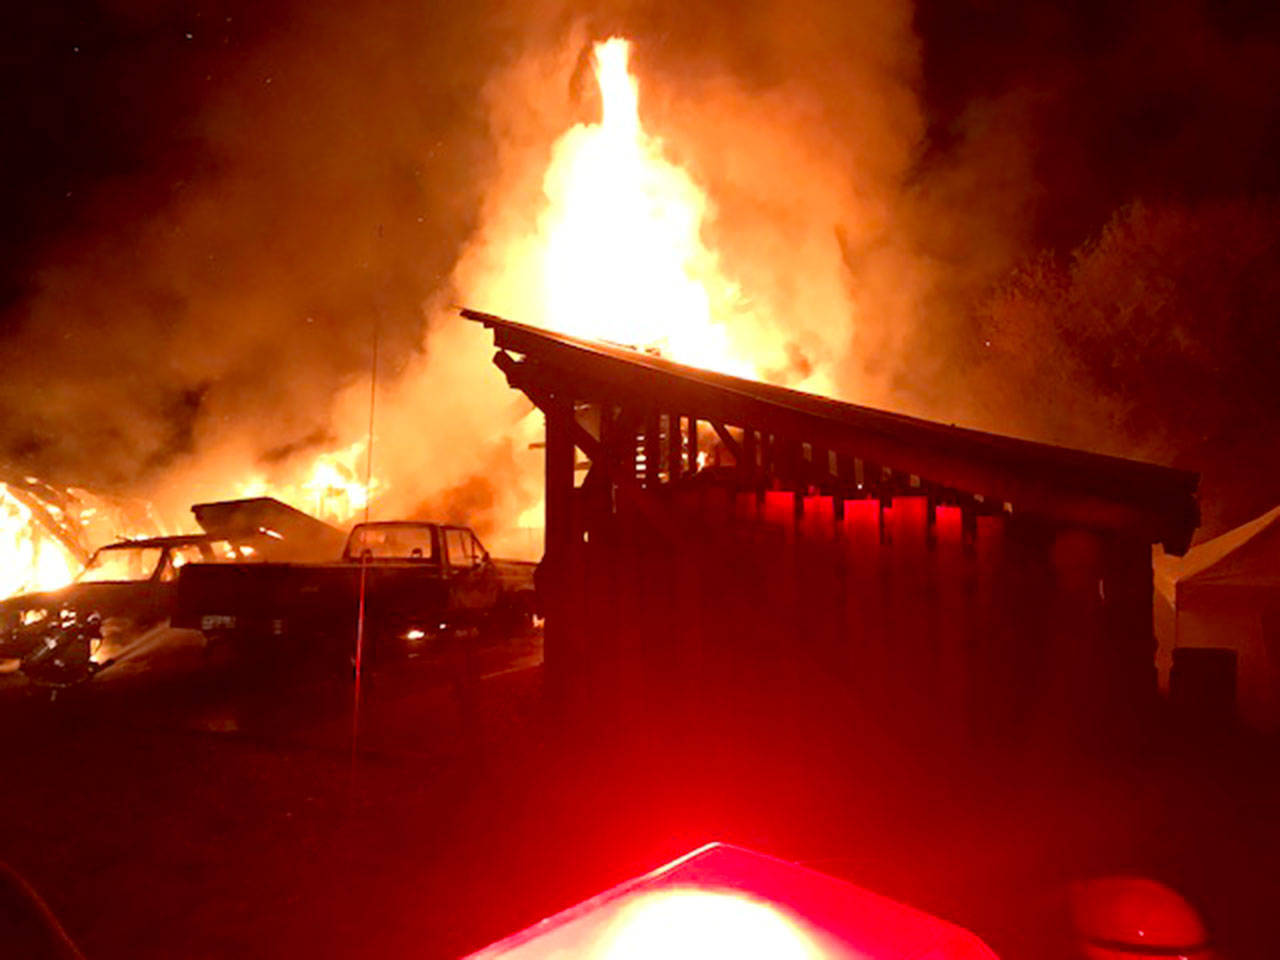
<point x="1071" y="486"/>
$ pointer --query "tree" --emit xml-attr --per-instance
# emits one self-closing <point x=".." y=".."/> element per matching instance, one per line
<point x="1158" y="339"/>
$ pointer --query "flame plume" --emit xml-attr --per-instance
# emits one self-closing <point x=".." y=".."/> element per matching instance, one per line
<point x="622" y="254"/>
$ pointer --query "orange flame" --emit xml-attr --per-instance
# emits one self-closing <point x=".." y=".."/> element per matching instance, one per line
<point x="622" y="253"/>
<point x="31" y="558"/>
<point x="47" y="532"/>
<point x="330" y="487"/>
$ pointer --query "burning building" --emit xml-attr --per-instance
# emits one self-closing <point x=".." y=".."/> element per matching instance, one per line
<point x="603" y="235"/>
<point x="707" y="530"/>
<point x="723" y="532"/>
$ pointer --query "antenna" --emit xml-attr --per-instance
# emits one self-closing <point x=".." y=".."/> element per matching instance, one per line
<point x="364" y="554"/>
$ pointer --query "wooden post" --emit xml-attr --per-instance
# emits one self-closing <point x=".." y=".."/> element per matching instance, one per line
<point x="558" y="558"/>
<point x="652" y="450"/>
<point x="748" y="465"/>
<point x="675" y="445"/>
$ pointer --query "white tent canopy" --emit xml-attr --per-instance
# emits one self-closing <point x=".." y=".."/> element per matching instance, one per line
<point x="1225" y="593"/>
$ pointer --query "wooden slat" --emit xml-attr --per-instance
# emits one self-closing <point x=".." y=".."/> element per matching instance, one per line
<point x="730" y="444"/>
<point x="652" y="451"/>
<point x="675" y="448"/>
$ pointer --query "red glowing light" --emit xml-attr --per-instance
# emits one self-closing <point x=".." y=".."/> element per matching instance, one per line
<point x="692" y="923"/>
<point x="723" y="901"/>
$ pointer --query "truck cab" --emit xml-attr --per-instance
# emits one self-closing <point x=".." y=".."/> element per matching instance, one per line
<point x="454" y="551"/>
<point x="408" y="579"/>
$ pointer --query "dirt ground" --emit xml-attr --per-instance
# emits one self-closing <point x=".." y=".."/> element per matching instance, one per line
<point x="180" y="819"/>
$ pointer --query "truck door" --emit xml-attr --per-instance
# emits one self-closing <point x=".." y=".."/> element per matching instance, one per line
<point x="471" y="582"/>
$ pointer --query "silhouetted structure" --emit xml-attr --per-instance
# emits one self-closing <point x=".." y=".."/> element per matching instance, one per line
<point x="728" y="538"/>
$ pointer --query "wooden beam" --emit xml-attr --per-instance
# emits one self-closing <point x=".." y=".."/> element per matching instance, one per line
<point x="604" y="455"/>
<point x="727" y="439"/>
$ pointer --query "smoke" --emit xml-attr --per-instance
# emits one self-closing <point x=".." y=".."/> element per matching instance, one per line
<point x="334" y="175"/>
<point x="196" y="321"/>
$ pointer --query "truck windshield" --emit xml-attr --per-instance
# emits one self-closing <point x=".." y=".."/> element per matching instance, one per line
<point x="115" y="564"/>
<point x="393" y="542"/>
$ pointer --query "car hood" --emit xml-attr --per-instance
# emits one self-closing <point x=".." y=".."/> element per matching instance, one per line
<point x="106" y="599"/>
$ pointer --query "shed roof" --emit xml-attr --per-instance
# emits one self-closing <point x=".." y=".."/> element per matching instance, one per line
<point x="1059" y="483"/>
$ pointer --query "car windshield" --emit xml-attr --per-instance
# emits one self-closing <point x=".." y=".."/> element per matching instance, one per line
<point x="121" y="564"/>
<point x="393" y="542"/>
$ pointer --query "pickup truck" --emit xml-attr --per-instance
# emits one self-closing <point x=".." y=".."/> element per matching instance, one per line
<point x="417" y="580"/>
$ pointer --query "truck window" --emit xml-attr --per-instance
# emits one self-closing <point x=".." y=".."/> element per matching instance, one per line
<point x="461" y="555"/>
<point x="179" y="557"/>
<point x="393" y="541"/>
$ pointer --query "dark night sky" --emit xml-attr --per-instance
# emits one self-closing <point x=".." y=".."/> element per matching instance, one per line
<point x="97" y="92"/>
<point x="1146" y="99"/>
<point x="344" y="119"/>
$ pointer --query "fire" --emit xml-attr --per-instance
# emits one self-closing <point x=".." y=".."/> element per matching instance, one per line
<point x="331" y="486"/>
<point x="31" y="557"/>
<point x="48" y="532"/>
<point x="620" y="240"/>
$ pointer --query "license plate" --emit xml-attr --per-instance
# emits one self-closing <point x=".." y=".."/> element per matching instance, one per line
<point x="217" y="621"/>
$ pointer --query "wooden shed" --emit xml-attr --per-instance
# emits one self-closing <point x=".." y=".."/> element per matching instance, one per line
<point x="722" y="540"/>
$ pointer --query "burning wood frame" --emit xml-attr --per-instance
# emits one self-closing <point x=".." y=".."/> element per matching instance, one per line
<point x="47" y="532"/>
<point x="723" y="532"/>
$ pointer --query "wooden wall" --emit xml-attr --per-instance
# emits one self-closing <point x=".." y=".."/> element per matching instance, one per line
<point x="928" y="621"/>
